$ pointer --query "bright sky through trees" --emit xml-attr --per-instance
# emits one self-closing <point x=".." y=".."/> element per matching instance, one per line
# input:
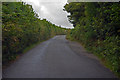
<point x="52" y="10"/>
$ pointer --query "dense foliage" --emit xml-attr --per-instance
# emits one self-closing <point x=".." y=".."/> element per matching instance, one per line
<point x="97" y="27"/>
<point x="22" y="28"/>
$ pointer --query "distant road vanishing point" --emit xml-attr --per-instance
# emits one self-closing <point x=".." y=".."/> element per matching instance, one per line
<point x="57" y="58"/>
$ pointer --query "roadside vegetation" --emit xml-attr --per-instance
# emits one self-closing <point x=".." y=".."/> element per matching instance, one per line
<point x="97" y="28"/>
<point x="22" y="28"/>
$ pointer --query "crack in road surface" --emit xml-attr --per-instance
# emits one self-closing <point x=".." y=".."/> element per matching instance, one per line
<point x="57" y="58"/>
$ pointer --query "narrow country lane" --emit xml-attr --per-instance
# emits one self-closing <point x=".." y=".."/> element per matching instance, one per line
<point x="57" y="58"/>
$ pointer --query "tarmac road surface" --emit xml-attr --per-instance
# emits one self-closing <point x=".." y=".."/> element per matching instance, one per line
<point x="57" y="58"/>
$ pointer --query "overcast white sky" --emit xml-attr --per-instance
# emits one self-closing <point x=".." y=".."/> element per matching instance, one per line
<point x="52" y="10"/>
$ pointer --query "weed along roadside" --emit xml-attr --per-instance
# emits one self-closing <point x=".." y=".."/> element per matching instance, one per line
<point x="96" y="27"/>
<point x="22" y="29"/>
<point x="22" y="53"/>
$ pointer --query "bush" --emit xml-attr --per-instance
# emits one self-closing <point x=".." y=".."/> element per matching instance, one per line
<point x="22" y="28"/>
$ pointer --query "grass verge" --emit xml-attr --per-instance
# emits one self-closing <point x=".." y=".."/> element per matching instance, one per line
<point x="102" y="60"/>
<point x="4" y="66"/>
